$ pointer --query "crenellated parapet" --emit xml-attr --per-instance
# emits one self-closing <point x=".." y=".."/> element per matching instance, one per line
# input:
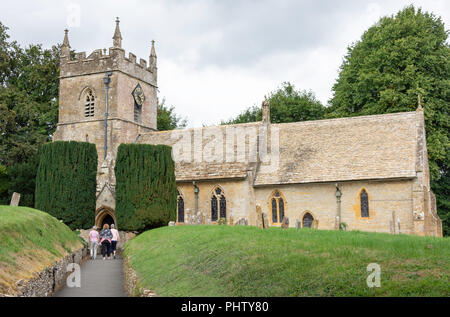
<point x="101" y="61"/>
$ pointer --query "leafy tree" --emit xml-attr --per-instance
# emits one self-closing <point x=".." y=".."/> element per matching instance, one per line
<point x="286" y="105"/>
<point x="28" y="110"/>
<point x="22" y="179"/>
<point x="397" y="59"/>
<point x="167" y="119"/>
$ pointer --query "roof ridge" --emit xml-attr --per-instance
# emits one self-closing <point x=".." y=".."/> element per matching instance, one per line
<point x="370" y="116"/>
<point x="211" y="126"/>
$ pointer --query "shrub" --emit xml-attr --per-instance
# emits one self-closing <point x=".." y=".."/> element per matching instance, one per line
<point x="146" y="190"/>
<point x="66" y="182"/>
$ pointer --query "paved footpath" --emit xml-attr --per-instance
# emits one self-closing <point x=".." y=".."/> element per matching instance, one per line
<point x="98" y="278"/>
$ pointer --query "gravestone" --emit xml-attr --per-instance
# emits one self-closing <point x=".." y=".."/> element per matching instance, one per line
<point x="393" y="223"/>
<point x="297" y="224"/>
<point x="231" y="221"/>
<point x="315" y="224"/>
<point x="171" y="223"/>
<point x="285" y="223"/>
<point x="242" y="222"/>
<point x="15" y="199"/>
<point x="259" y="217"/>
<point x="265" y="220"/>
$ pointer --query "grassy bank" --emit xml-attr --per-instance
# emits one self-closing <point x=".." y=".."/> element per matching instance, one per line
<point x="247" y="261"/>
<point x="30" y="240"/>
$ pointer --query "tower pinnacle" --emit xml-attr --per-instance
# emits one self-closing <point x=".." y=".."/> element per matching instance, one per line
<point x="153" y="57"/>
<point x="266" y="111"/>
<point x="65" y="48"/>
<point x="419" y="103"/>
<point x="117" y="36"/>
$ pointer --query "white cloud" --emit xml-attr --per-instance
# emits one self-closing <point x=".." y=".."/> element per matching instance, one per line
<point x="216" y="58"/>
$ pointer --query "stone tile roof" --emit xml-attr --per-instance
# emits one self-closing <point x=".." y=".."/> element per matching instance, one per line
<point x="205" y="171"/>
<point x="189" y="171"/>
<point x="356" y="148"/>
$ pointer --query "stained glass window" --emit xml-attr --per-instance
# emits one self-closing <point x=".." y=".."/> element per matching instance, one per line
<point x="274" y="211"/>
<point x="180" y="208"/>
<point x="214" y="208"/>
<point x="281" y="208"/>
<point x="223" y="207"/>
<point x="364" y="204"/>
<point x="218" y="205"/>
<point x="277" y="207"/>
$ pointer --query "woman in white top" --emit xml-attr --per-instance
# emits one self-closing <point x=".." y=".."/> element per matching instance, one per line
<point x="115" y="238"/>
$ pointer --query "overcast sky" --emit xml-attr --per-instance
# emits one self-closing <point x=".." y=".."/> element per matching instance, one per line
<point x="215" y="58"/>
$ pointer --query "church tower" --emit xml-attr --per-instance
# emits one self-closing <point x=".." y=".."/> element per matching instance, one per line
<point x="86" y="115"/>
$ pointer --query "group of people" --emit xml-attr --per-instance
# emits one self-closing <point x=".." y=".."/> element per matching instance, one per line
<point x="107" y="238"/>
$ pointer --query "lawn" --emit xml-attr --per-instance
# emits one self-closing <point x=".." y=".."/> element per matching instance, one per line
<point x="30" y="240"/>
<point x="248" y="261"/>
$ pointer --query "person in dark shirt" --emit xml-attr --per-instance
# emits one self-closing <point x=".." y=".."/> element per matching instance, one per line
<point x="105" y="241"/>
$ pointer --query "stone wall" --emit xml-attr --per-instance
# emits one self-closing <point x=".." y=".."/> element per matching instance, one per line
<point x="236" y="192"/>
<point x="132" y="287"/>
<point x="385" y="197"/>
<point x="46" y="282"/>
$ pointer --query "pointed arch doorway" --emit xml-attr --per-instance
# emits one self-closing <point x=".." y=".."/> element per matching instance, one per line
<point x="105" y="215"/>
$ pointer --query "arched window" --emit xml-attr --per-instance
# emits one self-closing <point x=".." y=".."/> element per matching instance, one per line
<point x="218" y="205"/>
<point x="180" y="207"/>
<point x="364" y="203"/>
<point x="307" y="220"/>
<point x="277" y="204"/>
<point x="89" y="103"/>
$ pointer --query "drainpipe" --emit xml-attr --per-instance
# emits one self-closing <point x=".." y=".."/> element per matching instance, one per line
<point x="106" y="81"/>
<point x="196" y="191"/>
<point x="338" y="200"/>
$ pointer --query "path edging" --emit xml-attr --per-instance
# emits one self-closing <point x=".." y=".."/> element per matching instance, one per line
<point x="132" y="287"/>
<point x="48" y="281"/>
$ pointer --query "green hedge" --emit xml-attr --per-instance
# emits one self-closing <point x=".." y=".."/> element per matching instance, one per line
<point x="66" y="182"/>
<point x="146" y="191"/>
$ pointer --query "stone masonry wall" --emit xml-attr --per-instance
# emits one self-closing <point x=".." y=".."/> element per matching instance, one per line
<point x="320" y="201"/>
<point x="46" y="282"/>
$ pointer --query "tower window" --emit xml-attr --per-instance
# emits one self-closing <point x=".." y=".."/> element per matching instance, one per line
<point x="89" y="104"/>
<point x="137" y="113"/>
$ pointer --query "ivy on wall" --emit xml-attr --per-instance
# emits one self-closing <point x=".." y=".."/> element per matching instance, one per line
<point x="66" y="182"/>
<point x="146" y="191"/>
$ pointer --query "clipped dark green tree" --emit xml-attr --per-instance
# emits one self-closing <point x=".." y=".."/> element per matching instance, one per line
<point x="66" y="182"/>
<point x="146" y="190"/>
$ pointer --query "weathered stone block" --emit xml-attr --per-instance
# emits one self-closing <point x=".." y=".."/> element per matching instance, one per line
<point x="15" y="199"/>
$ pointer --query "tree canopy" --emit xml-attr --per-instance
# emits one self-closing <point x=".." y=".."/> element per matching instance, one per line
<point x="28" y="110"/>
<point x="397" y="59"/>
<point x="287" y="104"/>
<point x="167" y="119"/>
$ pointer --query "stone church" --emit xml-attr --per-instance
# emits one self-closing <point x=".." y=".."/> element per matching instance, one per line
<point x="366" y="173"/>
